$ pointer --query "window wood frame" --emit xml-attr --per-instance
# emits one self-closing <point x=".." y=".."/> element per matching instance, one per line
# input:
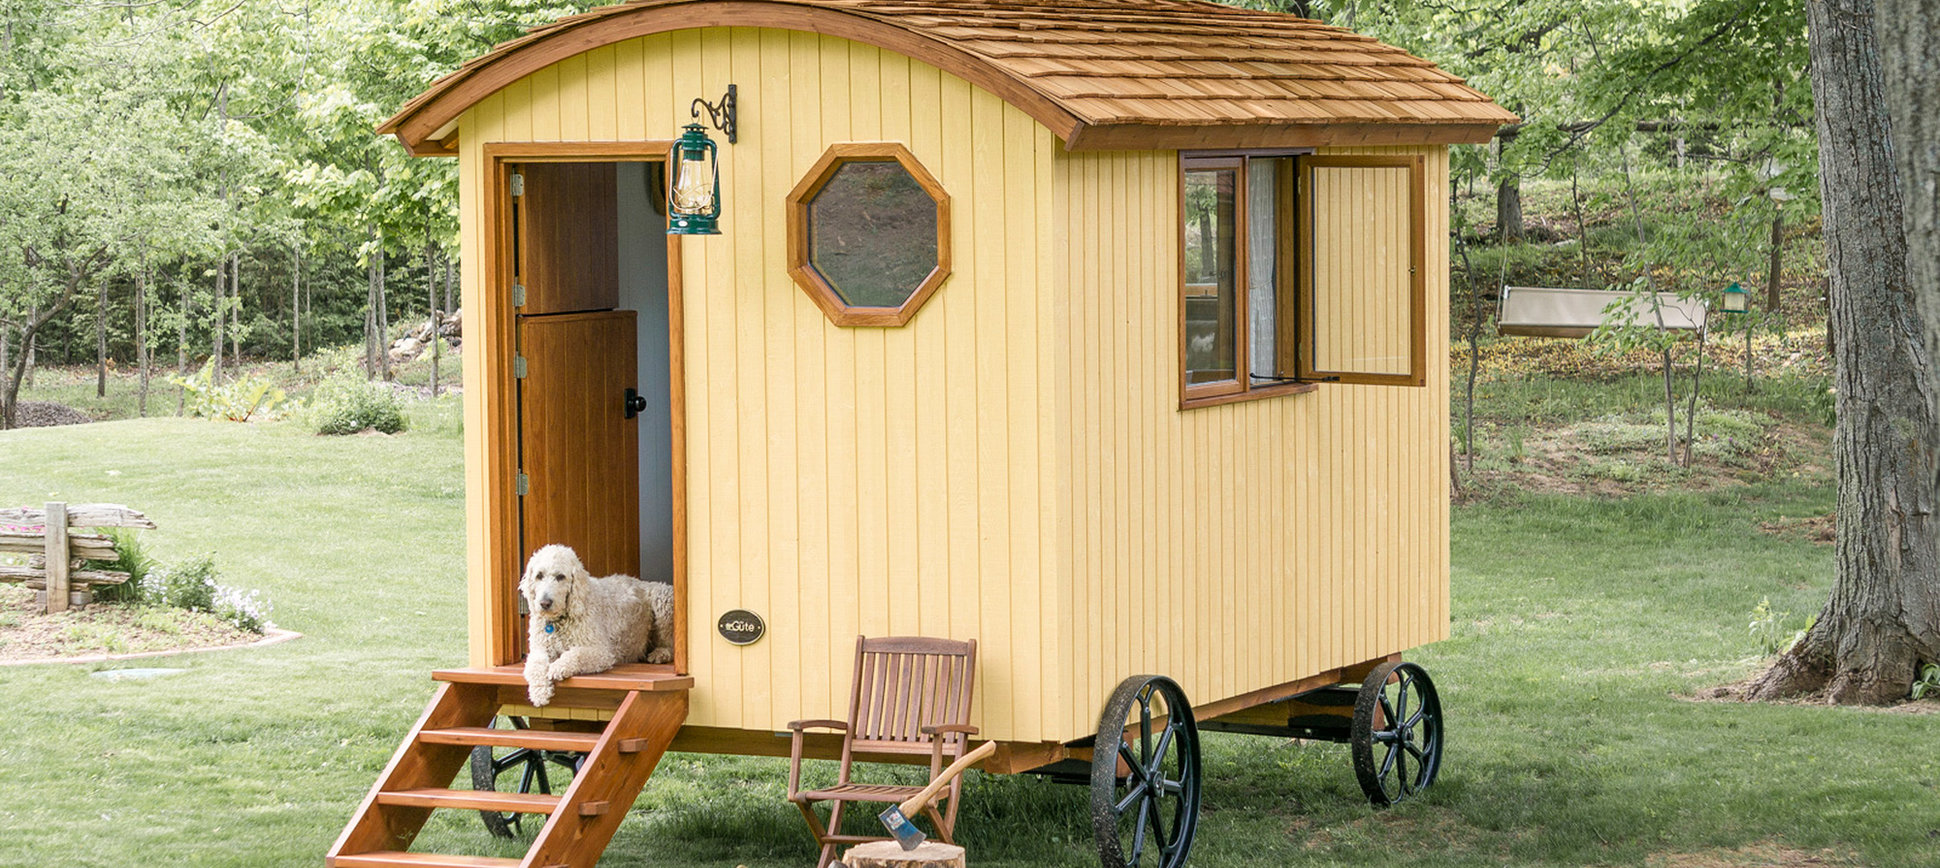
<point x="1416" y="165"/>
<point x="1287" y="257"/>
<point x="801" y="265"/>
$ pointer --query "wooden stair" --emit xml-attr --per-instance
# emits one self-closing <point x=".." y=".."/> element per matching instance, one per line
<point x="649" y="704"/>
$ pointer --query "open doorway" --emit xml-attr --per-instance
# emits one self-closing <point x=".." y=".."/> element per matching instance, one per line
<point x="594" y="320"/>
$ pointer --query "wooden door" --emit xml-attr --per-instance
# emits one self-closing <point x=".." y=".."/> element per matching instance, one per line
<point x="578" y="450"/>
<point x="569" y="236"/>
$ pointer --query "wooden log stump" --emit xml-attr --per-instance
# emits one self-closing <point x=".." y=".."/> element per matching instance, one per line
<point x="889" y="854"/>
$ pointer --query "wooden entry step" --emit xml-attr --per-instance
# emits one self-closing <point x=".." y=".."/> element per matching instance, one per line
<point x="531" y="739"/>
<point x="476" y="800"/>
<point x="649" y="705"/>
<point x="644" y="677"/>
<point x="399" y="859"/>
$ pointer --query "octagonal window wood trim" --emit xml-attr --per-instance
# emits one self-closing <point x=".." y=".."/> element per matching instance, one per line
<point x="801" y="265"/>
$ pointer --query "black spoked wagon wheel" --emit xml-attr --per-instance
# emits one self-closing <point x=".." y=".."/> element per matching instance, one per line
<point x="1397" y="735"/>
<point x="1145" y="794"/>
<point x="498" y="768"/>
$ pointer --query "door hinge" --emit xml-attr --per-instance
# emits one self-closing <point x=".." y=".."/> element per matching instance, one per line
<point x="518" y="367"/>
<point x="518" y="184"/>
<point x="521" y="484"/>
<point x="518" y="295"/>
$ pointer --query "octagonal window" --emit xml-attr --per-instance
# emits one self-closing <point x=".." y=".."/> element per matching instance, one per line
<point x="868" y="234"/>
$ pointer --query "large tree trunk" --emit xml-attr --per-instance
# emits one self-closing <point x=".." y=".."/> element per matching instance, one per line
<point x="1883" y="618"/>
<point x="1911" y="57"/>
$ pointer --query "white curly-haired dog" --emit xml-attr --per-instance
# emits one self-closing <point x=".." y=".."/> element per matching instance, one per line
<point x="581" y="624"/>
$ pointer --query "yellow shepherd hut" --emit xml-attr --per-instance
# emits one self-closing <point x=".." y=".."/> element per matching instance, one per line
<point x="1105" y="333"/>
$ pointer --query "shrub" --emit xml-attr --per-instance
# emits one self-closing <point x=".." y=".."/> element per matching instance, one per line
<point x="345" y="404"/>
<point x="189" y="585"/>
<point x="134" y="560"/>
<point x="235" y="401"/>
<point x="192" y="585"/>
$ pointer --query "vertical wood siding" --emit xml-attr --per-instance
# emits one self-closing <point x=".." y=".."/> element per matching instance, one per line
<point x="1363" y="304"/>
<point x="1239" y="546"/>
<point x="841" y="480"/>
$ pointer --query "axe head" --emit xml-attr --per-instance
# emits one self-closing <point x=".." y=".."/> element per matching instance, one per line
<point x="898" y="825"/>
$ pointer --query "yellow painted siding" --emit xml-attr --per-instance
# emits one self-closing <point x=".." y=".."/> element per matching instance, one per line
<point x="1011" y="466"/>
<point x="1240" y="546"/>
<point x="840" y="480"/>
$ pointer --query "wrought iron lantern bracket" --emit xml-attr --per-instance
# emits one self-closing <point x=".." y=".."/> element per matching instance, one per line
<point x="720" y="116"/>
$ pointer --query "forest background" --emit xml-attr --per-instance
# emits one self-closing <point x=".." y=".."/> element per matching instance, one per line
<point x="193" y="181"/>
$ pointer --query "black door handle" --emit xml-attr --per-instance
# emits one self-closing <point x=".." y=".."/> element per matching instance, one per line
<point x="634" y="403"/>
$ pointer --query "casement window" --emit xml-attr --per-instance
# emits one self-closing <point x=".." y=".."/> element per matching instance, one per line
<point x="1297" y="270"/>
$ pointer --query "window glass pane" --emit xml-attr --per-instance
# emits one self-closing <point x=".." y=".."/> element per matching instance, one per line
<point x="1262" y="267"/>
<point x="872" y="233"/>
<point x="1363" y="281"/>
<point x="1211" y="234"/>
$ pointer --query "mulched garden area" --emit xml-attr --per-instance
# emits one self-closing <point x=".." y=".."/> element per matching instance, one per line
<point x="27" y="634"/>
<point x="46" y="414"/>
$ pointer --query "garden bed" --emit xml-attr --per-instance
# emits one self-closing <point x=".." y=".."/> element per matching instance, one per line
<point x="106" y="629"/>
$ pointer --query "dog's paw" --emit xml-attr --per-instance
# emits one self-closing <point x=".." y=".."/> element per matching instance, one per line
<point x="558" y="671"/>
<point x="540" y="694"/>
<point x="660" y="655"/>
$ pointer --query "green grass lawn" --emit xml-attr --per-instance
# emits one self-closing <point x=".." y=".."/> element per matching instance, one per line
<point x="1580" y="627"/>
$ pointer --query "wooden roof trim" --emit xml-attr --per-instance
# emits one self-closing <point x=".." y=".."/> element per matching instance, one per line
<point x="450" y="96"/>
<point x="1318" y="134"/>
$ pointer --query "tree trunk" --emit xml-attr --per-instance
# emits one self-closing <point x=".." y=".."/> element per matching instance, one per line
<point x="1690" y="412"/>
<point x="370" y="310"/>
<point x="216" y="319"/>
<point x="27" y="343"/>
<point x="235" y="310"/>
<point x="383" y="320"/>
<point x="1911" y="57"/>
<point x="296" y="309"/>
<point x="101" y="341"/>
<point x="1508" y="209"/>
<point x="182" y="341"/>
<point x="29" y="332"/>
<point x="1883" y="618"/>
<point x="142" y="350"/>
<point x="1775" y="267"/>
<point x="1508" y="194"/>
<point x="431" y="306"/>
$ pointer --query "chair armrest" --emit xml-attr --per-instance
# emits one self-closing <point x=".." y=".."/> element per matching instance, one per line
<point x="945" y="728"/>
<point x="795" y="748"/>
<point x="939" y="734"/>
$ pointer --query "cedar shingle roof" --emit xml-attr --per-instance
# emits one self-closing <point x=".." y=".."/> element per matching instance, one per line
<point x="1098" y="73"/>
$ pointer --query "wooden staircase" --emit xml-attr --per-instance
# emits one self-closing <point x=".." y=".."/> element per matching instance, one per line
<point x="648" y="705"/>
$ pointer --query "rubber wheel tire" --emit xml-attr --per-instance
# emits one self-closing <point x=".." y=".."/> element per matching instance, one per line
<point x="1397" y="715"/>
<point x="1164" y="751"/>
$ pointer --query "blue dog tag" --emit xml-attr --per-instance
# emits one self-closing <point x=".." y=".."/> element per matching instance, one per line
<point x="548" y="628"/>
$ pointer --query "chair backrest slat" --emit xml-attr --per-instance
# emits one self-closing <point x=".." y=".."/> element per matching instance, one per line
<point x="904" y="683"/>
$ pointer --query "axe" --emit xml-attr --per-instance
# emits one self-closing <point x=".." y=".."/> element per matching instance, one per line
<point x="896" y="817"/>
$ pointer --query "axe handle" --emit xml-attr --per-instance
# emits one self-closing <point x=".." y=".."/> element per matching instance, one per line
<point x="915" y="803"/>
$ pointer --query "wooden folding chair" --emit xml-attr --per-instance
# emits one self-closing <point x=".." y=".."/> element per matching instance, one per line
<point x="911" y="695"/>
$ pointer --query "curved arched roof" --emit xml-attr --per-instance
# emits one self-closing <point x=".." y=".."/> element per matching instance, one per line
<point x="1097" y="73"/>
